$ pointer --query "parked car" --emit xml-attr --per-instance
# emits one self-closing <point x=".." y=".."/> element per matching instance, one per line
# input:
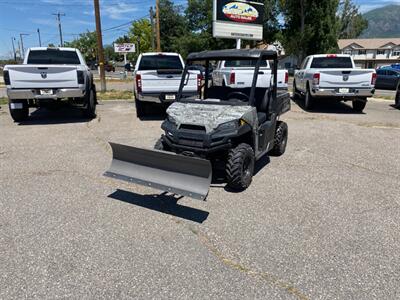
<point x="333" y="76"/>
<point x="157" y="80"/>
<point x="387" y="79"/>
<point x="239" y="74"/>
<point x="48" y="77"/>
<point x="108" y="67"/>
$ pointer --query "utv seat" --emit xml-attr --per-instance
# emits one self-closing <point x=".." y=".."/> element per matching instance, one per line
<point x="262" y="103"/>
<point x="262" y="117"/>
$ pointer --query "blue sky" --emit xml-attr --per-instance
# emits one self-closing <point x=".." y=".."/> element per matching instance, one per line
<point x="26" y="16"/>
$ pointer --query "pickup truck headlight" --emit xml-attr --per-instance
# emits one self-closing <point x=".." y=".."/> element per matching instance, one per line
<point x="231" y="125"/>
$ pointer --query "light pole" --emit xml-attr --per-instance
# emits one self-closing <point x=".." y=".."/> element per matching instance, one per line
<point x="22" y="44"/>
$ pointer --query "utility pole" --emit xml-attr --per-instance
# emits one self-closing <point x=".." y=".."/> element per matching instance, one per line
<point x="152" y="28"/>
<point x="22" y="53"/>
<point x="158" y="25"/>
<point x="100" y="45"/>
<point x="15" y="53"/>
<point x="40" y="40"/>
<point x="59" y="15"/>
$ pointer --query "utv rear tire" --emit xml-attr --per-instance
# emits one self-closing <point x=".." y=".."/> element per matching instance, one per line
<point x="281" y="137"/>
<point x="90" y="110"/>
<point x="240" y="167"/>
<point x="308" y="100"/>
<point x="140" y="108"/>
<point x="358" y="105"/>
<point x="19" y="115"/>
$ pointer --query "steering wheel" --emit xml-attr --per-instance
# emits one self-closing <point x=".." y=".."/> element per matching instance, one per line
<point x="241" y="96"/>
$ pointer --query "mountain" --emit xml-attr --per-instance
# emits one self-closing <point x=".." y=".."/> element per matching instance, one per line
<point x="383" y="22"/>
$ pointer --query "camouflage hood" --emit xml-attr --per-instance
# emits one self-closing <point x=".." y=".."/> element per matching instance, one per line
<point x="208" y="115"/>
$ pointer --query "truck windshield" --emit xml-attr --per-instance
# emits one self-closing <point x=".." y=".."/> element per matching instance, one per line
<point x="53" y="57"/>
<point x="244" y="63"/>
<point x="331" y="63"/>
<point x="160" y="62"/>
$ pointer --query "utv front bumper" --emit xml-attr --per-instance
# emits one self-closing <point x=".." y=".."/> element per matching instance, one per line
<point x="200" y="142"/>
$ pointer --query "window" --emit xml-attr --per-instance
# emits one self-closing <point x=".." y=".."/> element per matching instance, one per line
<point x="380" y="52"/>
<point x="304" y="64"/>
<point x="362" y="52"/>
<point x="332" y="63"/>
<point x="396" y="52"/>
<point x="53" y="57"/>
<point x="381" y="72"/>
<point x="244" y="63"/>
<point x="160" y="62"/>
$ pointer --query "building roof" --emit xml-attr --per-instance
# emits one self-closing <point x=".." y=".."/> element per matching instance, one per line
<point x="368" y="43"/>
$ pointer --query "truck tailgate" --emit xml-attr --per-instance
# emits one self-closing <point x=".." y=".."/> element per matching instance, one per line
<point x="345" y="78"/>
<point x="43" y="76"/>
<point x="156" y="82"/>
<point x="244" y="77"/>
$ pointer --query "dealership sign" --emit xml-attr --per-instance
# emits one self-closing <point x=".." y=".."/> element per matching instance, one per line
<point x="124" y="48"/>
<point x="238" y="19"/>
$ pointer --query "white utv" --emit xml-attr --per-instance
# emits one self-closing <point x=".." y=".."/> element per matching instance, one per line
<point x="222" y="128"/>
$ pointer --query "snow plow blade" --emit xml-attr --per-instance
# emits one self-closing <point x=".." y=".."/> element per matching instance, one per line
<point x="178" y="174"/>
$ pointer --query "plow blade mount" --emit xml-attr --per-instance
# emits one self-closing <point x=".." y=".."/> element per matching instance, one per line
<point x="178" y="174"/>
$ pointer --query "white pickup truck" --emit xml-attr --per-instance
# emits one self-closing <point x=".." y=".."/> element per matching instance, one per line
<point x="48" y="77"/>
<point x="157" y="80"/>
<point x="333" y="76"/>
<point x="239" y="74"/>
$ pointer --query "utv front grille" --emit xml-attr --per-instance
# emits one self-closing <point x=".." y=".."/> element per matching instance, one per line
<point x="193" y="128"/>
<point x="191" y="143"/>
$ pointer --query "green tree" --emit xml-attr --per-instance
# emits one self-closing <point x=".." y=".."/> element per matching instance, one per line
<point x="173" y="25"/>
<point x="351" y="21"/>
<point x="310" y="27"/>
<point x="140" y="34"/>
<point x="87" y="44"/>
<point x="271" y="23"/>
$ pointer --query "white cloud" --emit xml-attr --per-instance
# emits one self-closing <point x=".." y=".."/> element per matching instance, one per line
<point x="47" y="21"/>
<point x="118" y="11"/>
<point x="53" y="1"/>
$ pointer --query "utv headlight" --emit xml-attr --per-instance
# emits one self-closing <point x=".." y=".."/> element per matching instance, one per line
<point x="172" y="120"/>
<point x="231" y="125"/>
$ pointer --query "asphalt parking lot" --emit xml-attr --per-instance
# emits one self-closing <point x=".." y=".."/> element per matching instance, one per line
<point x="320" y="222"/>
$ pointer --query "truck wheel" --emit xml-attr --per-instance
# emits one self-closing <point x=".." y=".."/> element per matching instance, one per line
<point x="308" y="100"/>
<point x="280" y="141"/>
<point x="359" y="105"/>
<point x="397" y="99"/>
<point x="296" y="93"/>
<point x="19" y="115"/>
<point x="140" y="108"/>
<point x="240" y="167"/>
<point x="90" y="110"/>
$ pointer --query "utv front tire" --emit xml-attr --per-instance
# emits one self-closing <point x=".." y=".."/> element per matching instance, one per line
<point x="19" y="115"/>
<point x="280" y="141"/>
<point x="240" y="167"/>
<point x="359" y="106"/>
<point x="160" y="145"/>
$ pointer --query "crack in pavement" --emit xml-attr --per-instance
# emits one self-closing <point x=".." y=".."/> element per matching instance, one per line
<point x="271" y="279"/>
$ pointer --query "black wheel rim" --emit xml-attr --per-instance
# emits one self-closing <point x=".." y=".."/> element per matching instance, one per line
<point x="246" y="170"/>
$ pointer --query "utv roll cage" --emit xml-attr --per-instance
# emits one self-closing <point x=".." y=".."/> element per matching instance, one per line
<point x="234" y="54"/>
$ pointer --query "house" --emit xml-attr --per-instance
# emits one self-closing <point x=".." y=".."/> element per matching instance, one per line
<point x="372" y="53"/>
